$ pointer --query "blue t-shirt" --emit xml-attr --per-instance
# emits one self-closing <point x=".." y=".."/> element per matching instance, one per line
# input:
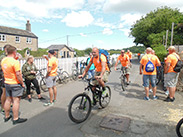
<point x="92" y="66"/>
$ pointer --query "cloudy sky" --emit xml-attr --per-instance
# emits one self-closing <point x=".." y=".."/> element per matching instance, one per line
<point x="81" y="23"/>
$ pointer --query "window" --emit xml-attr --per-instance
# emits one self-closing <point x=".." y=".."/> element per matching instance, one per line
<point x="17" y="39"/>
<point x="2" y="37"/>
<point x="67" y="54"/>
<point x="29" y="40"/>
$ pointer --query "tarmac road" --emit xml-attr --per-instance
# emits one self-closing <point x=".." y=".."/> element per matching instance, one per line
<point x="154" y="118"/>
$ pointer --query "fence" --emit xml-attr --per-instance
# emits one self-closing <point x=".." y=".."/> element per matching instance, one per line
<point x="64" y="63"/>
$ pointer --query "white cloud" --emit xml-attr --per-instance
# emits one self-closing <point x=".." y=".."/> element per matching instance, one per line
<point x="95" y="1"/>
<point x="107" y="31"/>
<point x="139" y="6"/>
<point x="100" y="41"/>
<point x="130" y="19"/>
<point x="78" y="19"/>
<point x="45" y="30"/>
<point x="126" y="32"/>
<point x="83" y="35"/>
<point x="101" y="23"/>
<point x="40" y="8"/>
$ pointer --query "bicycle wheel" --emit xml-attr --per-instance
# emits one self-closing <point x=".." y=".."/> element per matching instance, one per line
<point x="79" y="108"/>
<point x="104" y="100"/>
<point x="158" y="78"/>
<point x="179" y="128"/>
<point x="74" y="75"/>
<point x="43" y="85"/>
<point x="65" y="77"/>
<point x="123" y="83"/>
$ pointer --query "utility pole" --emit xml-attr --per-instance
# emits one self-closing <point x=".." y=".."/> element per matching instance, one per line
<point x="166" y="38"/>
<point x="68" y="40"/>
<point x="172" y="33"/>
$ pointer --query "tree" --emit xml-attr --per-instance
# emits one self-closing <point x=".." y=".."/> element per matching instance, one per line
<point x="149" y="30"/>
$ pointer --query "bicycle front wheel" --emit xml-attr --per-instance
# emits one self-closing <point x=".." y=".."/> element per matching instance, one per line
<point x="79" y="108"/>
<point x="65" y="76"/>
<point x="105" y="98"/>
<point x="179" y="128"/>
<point x="74" y="75"/>
<point x="123" y="83"/>
<point x="43" y="85"/>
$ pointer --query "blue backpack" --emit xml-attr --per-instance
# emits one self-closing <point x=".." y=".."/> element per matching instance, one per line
<point x="149" y="66"/>
<point x="105" y="53"/>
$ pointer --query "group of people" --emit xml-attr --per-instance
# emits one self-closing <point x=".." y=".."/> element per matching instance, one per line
<point x="13" y="84"/>
<point x="170" y="76"/>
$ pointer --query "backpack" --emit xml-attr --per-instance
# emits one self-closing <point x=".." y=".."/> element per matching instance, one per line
<point x="105" y="53"/>
<point x="178" y="65"/>
<point x="149" y="66"/>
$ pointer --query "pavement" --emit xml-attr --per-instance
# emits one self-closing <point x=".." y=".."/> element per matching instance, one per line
<point x="127" y="115"/>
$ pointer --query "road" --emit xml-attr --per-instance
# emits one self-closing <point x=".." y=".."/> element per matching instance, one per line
<point x="147" y="118"/>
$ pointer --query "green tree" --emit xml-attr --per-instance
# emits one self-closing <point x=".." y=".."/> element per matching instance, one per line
<point x="150" y="29"/>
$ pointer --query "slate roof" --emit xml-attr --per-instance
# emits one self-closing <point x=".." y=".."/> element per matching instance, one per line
<point x="16" y="32"/>
<point x="59" y="47"/>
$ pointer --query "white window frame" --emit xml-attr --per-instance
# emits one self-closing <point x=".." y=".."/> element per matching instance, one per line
<point x="29" y="40"/>
<point x="1" y="37"/>
<point x="17" y="39"/>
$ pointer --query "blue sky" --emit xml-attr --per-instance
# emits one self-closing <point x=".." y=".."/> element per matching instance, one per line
<point x="100" y="23"/>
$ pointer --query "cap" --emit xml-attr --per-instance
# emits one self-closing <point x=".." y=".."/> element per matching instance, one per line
<point x="51" y="51"/>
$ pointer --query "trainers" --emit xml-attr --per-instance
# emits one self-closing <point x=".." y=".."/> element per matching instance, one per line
<point x="41" y="98"/>
<point x="8" y="118"/>
<point x="30" y="100"/>
<point x="168" y="99"/>
<point x="104" y="93"/>
<point x="150" y="90"/>
<point x="155" y="97"/>
<point x="49" y="104"/>
<point x="127" y="83"/>
<point x="54" y="100"/>
<point x="19" y="120"/>
<point x="146" y="98"/>
<point x="167" y="93"/>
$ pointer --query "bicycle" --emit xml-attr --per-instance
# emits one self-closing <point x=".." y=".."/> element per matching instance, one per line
<point x="122" y="78"/>
<point x="77" y="71"/>
<point x="40" y="76"/>
<point x="62" y="76"/>
<point x="80" y="106"/>
<point x="179" y="128"/>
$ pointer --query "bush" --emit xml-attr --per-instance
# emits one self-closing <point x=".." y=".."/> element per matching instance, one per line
<point x="160" y="51"/>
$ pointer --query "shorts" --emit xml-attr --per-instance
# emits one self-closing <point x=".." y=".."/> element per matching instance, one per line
<point x="171" y="79"/>
<point x="127" y="70"/>
<point x="14" y="90"/>
<point x="50" y="81"/>
<point x="104" y="78"/>
<point x="151" y="78"/>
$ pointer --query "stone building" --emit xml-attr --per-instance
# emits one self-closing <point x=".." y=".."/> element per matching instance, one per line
<point x="63" y="51"/>
<point x="19" y="38"/>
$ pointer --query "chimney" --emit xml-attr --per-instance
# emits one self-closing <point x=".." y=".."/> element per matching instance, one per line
<point x="28" y="26"/>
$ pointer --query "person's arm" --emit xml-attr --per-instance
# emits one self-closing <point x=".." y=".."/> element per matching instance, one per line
<point x="116" y="63"/>
<point x="140" y="69"/>
<point x="25" y="72"/>
<point x="44" y="56"/>
<point x="19" y="77"/>
<point x="167" y="66"/>
<point x="48" y="71"/>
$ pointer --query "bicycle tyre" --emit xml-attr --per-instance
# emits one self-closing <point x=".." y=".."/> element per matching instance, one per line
<point x="74" y="75"/>
<point x="107" y="97"/>
<point x="158" y="78"/>
<point x="123" y="85"/>
<point x="43" y="85"/>
<point x="178" y="128"/>
<point x="84" y="99"/>
<point x="65" y="77"/>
